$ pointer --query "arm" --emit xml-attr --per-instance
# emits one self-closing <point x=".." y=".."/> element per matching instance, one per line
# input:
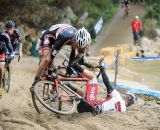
<point x="18" y="37"/>
<point x="10" y="49"/>
<point x="8" y="43"/>
<point x="85" y="63"/>
<point x="140" y="25"/>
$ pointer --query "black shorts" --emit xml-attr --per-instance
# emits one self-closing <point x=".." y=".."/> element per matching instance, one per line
<point x="136" y="36"/>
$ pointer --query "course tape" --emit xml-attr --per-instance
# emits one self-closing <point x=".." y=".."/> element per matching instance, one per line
<point x="137" y="90"/>
<point x="103" y="63"/>
<point x="144" y="91"/>
<point x="146" y="58"/>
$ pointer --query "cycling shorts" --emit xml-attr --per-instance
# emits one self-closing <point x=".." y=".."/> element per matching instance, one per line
<point x="2" y="56"/>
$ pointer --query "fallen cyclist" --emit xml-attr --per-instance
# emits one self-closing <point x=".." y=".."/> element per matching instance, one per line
<point x="114" y="101"/>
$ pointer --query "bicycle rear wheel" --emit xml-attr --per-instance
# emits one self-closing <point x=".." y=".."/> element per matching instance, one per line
<point x="6" y="79"/>
<point x="60" y="102"/>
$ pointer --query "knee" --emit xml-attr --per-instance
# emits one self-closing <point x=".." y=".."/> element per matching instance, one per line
<point x="47" y="60"/>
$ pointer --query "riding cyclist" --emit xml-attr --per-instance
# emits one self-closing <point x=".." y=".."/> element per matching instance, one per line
<point x="14" y="35"/>
<point x="126" y="2"/>
<point x="5" y="46"/>
<point x="58" y="36"/>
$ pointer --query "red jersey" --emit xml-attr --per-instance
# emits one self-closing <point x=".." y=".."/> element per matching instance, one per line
<point x="136" y="25"/>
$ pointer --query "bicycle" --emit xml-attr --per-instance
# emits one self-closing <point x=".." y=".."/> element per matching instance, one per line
<point x="6" y="76"/>
<point x="126" y="11"/>
<point x="57" y="96"/>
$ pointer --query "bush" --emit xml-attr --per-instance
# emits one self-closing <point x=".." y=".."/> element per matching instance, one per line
<point x="101" y="8"/>
<point x="39" y="13"/>
<point x="153" y="11"/>
<point x="149" y="27"/>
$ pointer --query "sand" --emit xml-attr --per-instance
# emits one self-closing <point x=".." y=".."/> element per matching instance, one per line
<point x="17" y="111"/>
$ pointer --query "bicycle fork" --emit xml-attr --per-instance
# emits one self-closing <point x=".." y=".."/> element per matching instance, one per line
<point x="34" y="100"/>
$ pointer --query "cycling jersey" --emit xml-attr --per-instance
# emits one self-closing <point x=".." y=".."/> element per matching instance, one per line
<point x="113" y="103"/>
<point x="15" y="39"/>
<point x="5" y="43"/>
<point x="58" y="35"/>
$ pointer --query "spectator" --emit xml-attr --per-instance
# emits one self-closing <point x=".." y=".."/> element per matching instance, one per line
<point x="136" y="28"/>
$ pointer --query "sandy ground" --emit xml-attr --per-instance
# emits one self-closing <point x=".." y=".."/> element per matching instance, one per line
<point x="17" y="111"/>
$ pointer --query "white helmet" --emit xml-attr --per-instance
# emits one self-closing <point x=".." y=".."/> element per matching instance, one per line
<point x="82" y="37"/>
<point x="43" y="31"/>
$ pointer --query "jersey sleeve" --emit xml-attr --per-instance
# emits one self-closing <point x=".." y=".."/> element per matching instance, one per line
<point x="18" y="35"/>
<point x="8" y="42"/>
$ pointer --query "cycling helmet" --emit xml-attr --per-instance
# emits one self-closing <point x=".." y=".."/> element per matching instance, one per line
<point x="43" y="31"/>
<point x="82" y="37"/>
<point x="131" y="98"/>
<point x="9" y="24"/>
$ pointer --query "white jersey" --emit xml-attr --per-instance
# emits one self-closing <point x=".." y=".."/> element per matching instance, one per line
<point x="114" y="103"/>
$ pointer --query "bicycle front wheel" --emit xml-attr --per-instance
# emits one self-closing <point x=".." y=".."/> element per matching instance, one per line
<point x="60" y="101"/>
<point x="6" y="79"/>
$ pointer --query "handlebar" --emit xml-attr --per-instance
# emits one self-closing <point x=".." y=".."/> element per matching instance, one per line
<point x="63" y="70"/>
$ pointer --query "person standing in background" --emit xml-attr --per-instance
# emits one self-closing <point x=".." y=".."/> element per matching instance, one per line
<point x="136" y="28"/>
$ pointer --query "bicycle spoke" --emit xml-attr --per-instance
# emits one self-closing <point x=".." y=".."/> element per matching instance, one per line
<point x="59" y="101"/>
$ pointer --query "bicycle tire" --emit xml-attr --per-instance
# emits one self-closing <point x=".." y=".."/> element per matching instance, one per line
<point x="62" y="103"/>
<point x="6" y="79"/>
<point x="19" y="58"/>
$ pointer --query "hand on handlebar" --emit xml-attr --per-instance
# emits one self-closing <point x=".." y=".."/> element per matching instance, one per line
<point x="101" y="64"/>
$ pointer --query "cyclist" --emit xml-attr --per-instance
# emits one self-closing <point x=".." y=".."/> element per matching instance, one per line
<point x="14" y="35"/>
<point x="58" y="36"/>
<point x="114" y="102"/>
<point x="126" y="2"/>
<point x="5" y="46"/>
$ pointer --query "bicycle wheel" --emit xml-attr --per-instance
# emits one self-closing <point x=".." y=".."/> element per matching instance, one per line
<point x="6" y="79"/>
<point x="1" y="91"/>
<point x="61" y="102"/>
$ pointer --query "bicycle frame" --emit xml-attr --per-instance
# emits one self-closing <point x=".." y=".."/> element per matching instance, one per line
<point x="90" y="93"/>
<point x="58" y="80"/>
<point x="4" y="74"/>
<point x="53" y="85"/>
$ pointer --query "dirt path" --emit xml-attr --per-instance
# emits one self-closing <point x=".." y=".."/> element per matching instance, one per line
<point x="118" y="31"/>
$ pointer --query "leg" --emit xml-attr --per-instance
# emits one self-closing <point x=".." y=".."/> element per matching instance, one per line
<point x="106" y="81"/>
<point x="87" y="105"/>
<point x="45" y="60"/>
<point x="1" y="76"/>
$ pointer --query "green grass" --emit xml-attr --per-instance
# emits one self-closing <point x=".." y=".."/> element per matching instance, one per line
<point x="101" y="8"/>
